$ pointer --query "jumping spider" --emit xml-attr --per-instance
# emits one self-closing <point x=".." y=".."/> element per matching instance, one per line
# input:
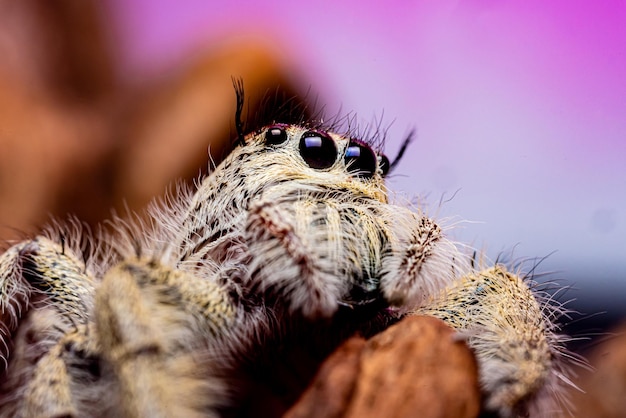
<point x="290" y="242"/>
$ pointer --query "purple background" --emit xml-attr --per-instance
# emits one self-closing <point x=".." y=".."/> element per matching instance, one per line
<point x="520" y="106"/>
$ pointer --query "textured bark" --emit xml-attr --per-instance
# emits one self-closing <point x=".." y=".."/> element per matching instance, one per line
<point x="332" y="390"/>
<point x="413" y="369"/>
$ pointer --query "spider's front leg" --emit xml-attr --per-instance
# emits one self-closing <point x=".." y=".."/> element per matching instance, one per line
<point x="520" y="356"/>
<point x="503" y="320"/>
<point x="157" y="326"/>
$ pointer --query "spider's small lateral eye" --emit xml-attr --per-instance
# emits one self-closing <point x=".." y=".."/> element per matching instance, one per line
<point x="275" y="135"/>
<point x="360" y="159"/>
<point x="384" y="165"/>
<point x="318" y="149"/>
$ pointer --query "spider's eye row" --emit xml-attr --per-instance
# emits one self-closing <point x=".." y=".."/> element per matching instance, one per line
<point x="275" y="135"/>
<point x="360" y="159"/>
<point x="318" y="149"/>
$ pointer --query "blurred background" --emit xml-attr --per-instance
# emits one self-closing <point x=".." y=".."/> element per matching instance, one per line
<point x="519" y="109"/>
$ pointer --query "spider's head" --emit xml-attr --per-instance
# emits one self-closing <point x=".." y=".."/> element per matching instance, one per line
<point x="317" y="222"/>
<point x="303" y="213"/>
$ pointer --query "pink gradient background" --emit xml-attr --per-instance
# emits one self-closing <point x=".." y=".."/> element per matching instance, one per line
<point x="518" y="105"/>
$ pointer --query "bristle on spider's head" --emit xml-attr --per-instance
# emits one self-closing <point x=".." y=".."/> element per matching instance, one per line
<point x="239" y="126"/>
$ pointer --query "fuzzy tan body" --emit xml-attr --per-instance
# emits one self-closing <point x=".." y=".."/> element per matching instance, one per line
<point x="269" y="251"/>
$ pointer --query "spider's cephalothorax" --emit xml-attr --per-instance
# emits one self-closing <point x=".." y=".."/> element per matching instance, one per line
<point x="290" y="242"/>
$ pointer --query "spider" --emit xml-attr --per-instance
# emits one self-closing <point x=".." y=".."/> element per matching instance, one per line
<point x="289" y="245"/>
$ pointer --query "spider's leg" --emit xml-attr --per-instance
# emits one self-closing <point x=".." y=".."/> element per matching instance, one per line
<point x="519" y="354"/>
<point x="45" y="293"/>
<point x="156" y="326"/>
<point x="66" y="380"/>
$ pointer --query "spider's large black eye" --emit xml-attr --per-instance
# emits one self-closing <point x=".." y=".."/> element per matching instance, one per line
<point x="318" y="149"/>
<point x="360" y="159"/>
<point x="275" y="135"/>
<point x="385" y="165"/>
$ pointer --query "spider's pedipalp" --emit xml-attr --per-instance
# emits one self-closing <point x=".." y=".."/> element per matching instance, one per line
<point x="421" y="262"/>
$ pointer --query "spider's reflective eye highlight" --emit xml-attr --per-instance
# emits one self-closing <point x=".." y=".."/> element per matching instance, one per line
<point x="384" y="165"/>
<point x="318" y="149"/>
<point x="360" y="159"/>
<point x="275" y="135"/>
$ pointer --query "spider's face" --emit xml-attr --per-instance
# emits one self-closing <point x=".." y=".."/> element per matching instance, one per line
<point x="314" y="215"/>
<point x="314" y="226"/>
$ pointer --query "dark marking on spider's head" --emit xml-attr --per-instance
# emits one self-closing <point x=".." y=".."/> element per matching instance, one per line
<point x="283" y="107"/>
